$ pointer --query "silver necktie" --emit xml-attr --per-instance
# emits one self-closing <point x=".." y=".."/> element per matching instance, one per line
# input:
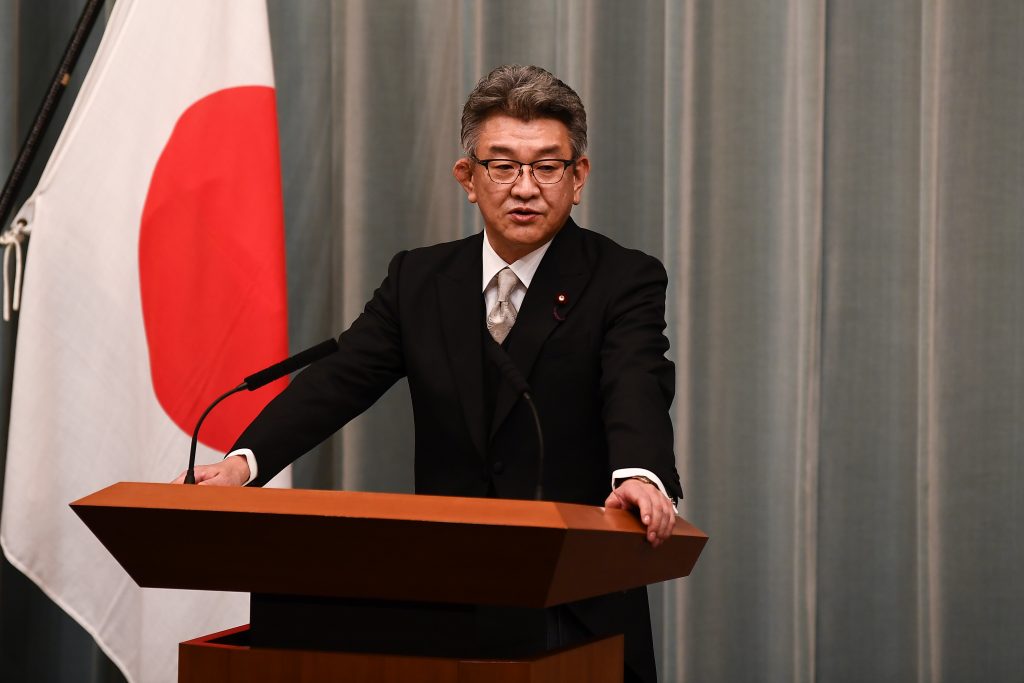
<point x="502" y="317"/>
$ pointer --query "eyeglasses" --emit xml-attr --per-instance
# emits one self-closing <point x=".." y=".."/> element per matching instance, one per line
<point x="507" y="171"/>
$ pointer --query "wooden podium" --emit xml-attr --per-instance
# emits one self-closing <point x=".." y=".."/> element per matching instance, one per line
<point x="383" y="587"/>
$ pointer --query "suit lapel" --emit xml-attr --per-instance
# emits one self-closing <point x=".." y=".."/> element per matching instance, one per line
<point x="459" y="303"/>
<point x="564" y="270"/>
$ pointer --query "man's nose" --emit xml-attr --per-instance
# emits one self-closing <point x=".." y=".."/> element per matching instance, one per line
<point x="525" y="185"/>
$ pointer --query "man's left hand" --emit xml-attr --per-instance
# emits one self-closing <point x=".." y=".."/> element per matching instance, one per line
<point x="655" y="508"/>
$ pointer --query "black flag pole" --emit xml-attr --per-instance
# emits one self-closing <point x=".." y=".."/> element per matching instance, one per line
<point x="41" y="123"/>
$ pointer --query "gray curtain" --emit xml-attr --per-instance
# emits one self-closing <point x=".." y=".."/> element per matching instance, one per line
<point x="836" y="191"/>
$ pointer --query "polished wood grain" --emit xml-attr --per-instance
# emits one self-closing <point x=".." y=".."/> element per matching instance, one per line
<point x="379" y="546"/>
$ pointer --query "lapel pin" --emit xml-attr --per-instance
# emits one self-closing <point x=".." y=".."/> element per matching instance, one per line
<point x="561" y="299"/>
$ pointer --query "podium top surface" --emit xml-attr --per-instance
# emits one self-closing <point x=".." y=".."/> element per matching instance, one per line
<point x="379" y="545"/>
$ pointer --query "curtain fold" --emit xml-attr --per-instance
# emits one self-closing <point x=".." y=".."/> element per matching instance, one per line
<point x="835" y="190"/>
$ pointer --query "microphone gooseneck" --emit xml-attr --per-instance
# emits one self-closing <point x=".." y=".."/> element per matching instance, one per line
<point x="500" y="357"/>
<point x="538" y="493"/>
<point x="257" y="380"/>
<point x="190" y="476"/>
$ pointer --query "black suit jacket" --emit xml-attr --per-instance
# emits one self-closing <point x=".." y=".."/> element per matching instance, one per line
<point x="595" y="364"/>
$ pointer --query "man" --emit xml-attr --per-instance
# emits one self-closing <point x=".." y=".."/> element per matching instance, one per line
<point x="581" y="317"/>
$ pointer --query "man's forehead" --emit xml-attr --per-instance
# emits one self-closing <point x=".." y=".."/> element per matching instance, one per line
<point x="503" y="134"/>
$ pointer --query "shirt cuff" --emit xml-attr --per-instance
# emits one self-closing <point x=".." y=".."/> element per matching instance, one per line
<point x="625" y="473"/>
<point x="250" y="460"/>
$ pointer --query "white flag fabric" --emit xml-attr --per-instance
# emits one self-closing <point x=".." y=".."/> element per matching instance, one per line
<point x="154" y="282"/>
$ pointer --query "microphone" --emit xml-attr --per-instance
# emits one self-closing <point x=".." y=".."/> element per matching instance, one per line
<point x="508" y="368"/>
<point x="290" y="365"/>
<point x="257" y="380"/>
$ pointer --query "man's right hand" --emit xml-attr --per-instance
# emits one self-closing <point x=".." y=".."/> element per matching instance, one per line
<point x="231" y="471"/>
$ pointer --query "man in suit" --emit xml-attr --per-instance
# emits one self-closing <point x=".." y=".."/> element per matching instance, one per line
<point x="581" y="317"/>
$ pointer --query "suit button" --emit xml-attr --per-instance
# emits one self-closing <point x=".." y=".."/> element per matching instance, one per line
<point x="498" y="467"/>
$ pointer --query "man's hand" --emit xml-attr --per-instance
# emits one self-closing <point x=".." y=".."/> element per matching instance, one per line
<point x="655" y="508"/>
<point x="231" y="471"/>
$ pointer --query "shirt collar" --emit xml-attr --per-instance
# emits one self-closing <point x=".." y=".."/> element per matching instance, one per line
<point x="524" y="268"/>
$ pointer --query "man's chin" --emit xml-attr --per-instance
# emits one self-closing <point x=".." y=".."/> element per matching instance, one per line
<point x="528" y="239"/>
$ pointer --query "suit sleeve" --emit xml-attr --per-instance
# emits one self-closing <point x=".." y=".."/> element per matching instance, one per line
<point x="637" y="380"/>
<point x="331" y="392"/>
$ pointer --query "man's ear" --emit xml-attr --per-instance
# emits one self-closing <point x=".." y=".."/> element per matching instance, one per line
<point x="463" y="172"/>
<point x="580" y="171"/>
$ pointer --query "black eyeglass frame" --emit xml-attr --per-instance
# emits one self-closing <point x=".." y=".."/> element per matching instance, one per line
<point x="566" y="163"/>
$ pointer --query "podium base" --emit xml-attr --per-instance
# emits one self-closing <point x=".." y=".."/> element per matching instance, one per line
<point x="227" y="657"/>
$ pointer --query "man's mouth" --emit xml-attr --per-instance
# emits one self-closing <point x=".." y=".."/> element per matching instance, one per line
<point x="523" y="212"/>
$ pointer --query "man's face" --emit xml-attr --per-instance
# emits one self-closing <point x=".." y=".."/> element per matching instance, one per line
<point x="522" y="216"/>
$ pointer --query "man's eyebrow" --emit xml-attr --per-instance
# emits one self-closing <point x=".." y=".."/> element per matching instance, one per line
<point x="542" y="153"/>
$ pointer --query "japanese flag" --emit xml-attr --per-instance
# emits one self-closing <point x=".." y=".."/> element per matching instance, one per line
<point x="155" y="281"/>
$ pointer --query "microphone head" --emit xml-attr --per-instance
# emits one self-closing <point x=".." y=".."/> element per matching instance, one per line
<point x="508" y="368"/>
<point x="290" y="365"/>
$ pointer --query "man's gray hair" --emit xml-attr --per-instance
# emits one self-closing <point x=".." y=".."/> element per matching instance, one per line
<point x="525" y="93"/>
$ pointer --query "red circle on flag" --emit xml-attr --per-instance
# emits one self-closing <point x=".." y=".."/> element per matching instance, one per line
<point x="212" y="262"/>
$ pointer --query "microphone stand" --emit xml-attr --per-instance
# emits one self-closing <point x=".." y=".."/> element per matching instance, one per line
<point x="257" y="380"/>
<point x="508" y="368"/>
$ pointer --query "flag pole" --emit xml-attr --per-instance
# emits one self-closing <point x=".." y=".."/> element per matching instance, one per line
<point x="58" y="85"/>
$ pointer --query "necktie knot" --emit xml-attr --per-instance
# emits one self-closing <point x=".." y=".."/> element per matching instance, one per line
<point x="507" y="281"/>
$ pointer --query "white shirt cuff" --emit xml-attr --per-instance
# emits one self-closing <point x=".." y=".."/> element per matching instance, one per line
<point x="250" y="460"/>
<point x="627" y="472"/>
